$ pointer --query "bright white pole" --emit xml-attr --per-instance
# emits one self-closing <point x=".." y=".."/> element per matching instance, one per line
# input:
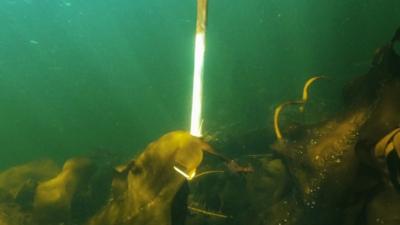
<point x="200" y="46"/>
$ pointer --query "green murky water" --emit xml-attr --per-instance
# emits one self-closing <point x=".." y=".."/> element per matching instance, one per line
<point x="77" y="76"/>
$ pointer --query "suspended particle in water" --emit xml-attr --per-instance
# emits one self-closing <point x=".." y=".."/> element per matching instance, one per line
<point x="65" y="3"/>
<point x="33" y="42"/>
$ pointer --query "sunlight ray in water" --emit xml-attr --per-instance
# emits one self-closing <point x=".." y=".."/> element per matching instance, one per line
<point x="196" y="118"/>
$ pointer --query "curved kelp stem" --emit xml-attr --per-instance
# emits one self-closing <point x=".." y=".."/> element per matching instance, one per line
<point x="306" y="88"/>
<point x="207" y="212"/>
<point x="389" y="149"/>
<point x="208" y="173"/>
<point x="301" y="102"/>
<point x="277" y="114"/>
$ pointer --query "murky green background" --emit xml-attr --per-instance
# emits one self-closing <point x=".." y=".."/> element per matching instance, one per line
<point x="81" y="75"/>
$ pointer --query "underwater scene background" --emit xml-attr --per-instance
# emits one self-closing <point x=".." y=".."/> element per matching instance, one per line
<point x="81" y="75"/>
<point x="103" y="77"/>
